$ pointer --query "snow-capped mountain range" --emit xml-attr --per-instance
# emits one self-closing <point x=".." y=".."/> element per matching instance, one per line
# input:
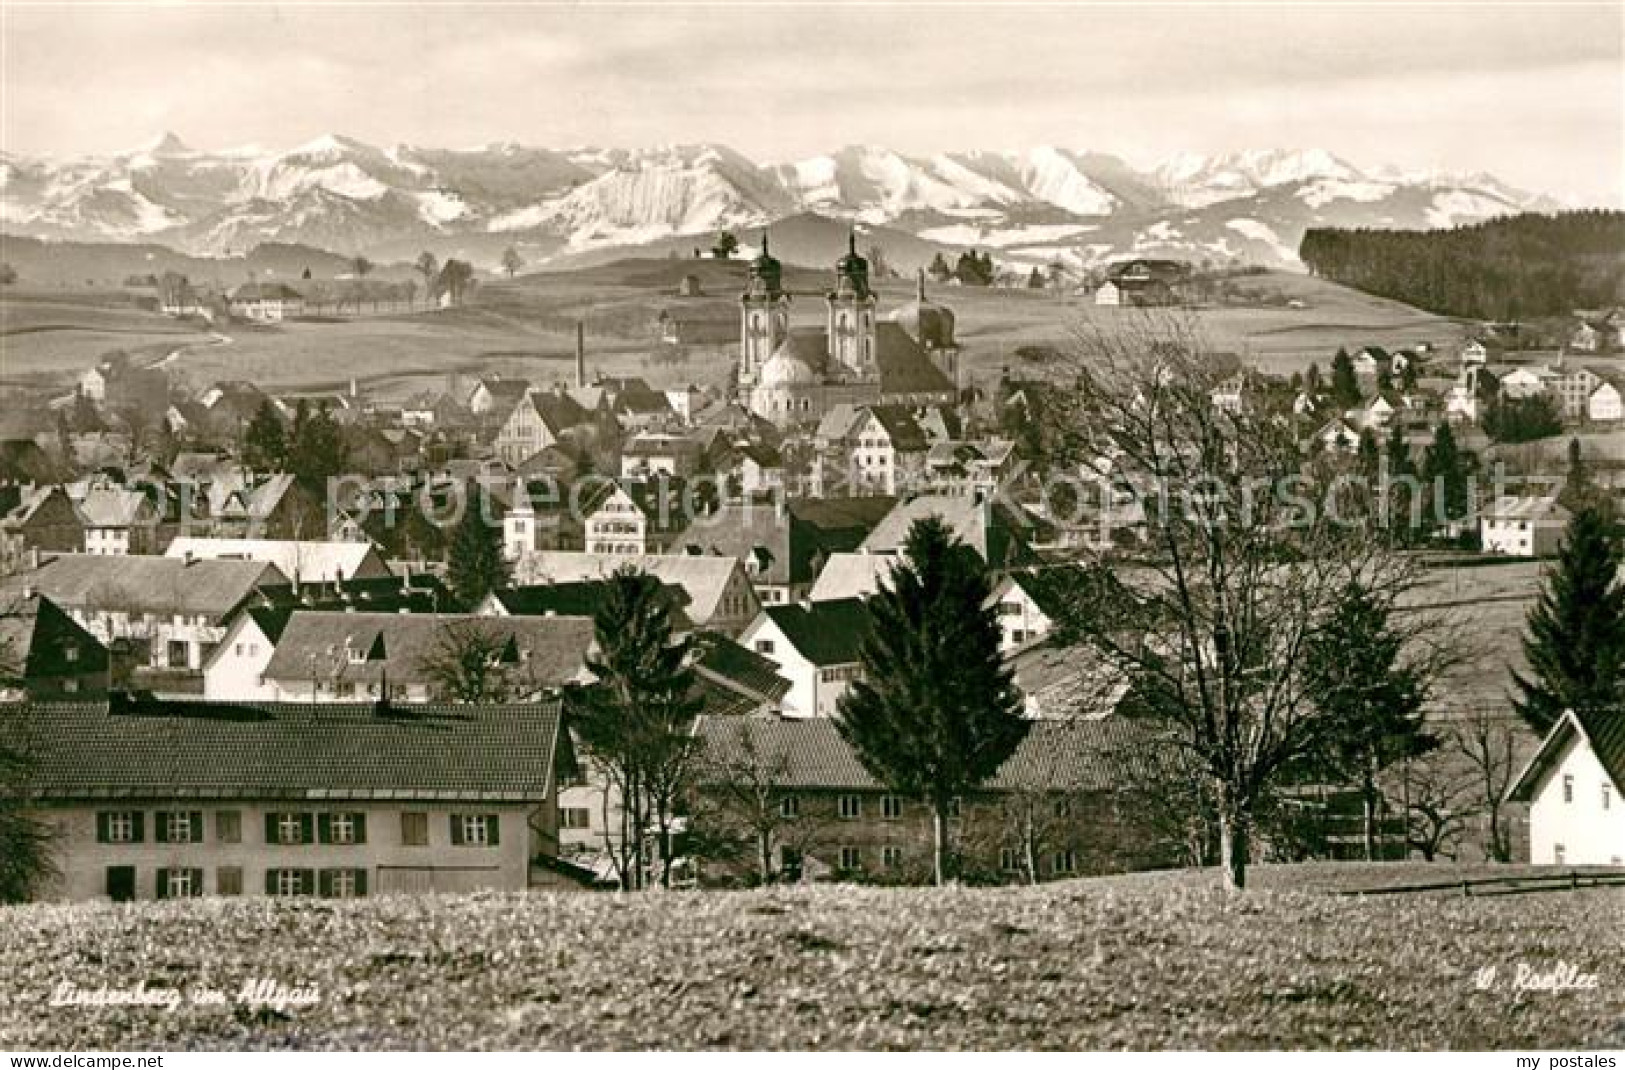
<point x="1033" y="205"/>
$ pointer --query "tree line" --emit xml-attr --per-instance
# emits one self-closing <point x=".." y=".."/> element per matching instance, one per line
<point x="1511" y="268"/>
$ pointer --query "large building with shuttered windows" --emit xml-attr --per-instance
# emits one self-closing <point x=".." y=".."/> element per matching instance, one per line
<point x="161" y="800"/>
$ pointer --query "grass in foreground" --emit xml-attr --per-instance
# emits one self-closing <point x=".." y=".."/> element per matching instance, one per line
<point x="1124" y="962"/>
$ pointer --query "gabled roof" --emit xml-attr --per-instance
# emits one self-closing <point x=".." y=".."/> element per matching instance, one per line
<point x="552" y="650"/>
<point x="146" y="583"/>
<point x="993" y="531"/>
<point x="115" y="507"/>
<point x="301" y="561"/>
<point x="856" y="575"/>
<point x="214" y="750"/>
<point x="825" y="633"/>
<point x="809" y="754"/>
<point x="265" y="291"/>
<point x="704" y="577"/>
<point x="579" y="598"/>
<point x="904" y="367"/>
<point x="1511" y="507"/>
<point x="1603" y="732"/>
<point x="905" y="432"/>
<point x="737" y="668"/>
<point x="35" y="632"/>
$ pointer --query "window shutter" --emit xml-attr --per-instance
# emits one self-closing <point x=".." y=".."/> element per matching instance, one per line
<point x="162" y="891"/>
<point x="103" y="819"/>
<point x="138" y="830"/>
<point x="307" y="828"/>
<point x="307" y="881"/>
<point x="197" y="882"/>
<point x="360" y="882"/>
<point x="160" y="832"/>
<point x="493" y="824"/>
<point x="360" y="822"/>
<point x="270" y="829"/>
<point x="456" y="831"/>
<point x="324" y="828"/>
<point x="270" y="877"/>
<point x="326" y="887"/>
<point x="197" y="826"/>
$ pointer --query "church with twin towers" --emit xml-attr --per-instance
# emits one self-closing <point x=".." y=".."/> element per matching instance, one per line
<point x="792" y="374"/>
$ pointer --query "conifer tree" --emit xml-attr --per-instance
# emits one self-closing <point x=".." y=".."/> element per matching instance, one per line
<point x="265" y="447"/>
<point x="475" y="565"/>
<point x="635" y="720"/>
<point x="1357" y="675"/>
<point x="936" y="712"/>
<point x="1575" y="642"/>
<point x="1444" y="477"/>
<point x="1345" y="384"/>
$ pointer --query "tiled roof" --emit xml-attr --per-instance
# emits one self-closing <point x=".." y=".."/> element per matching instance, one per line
<point x="579" y="598"/>
<point x="904" y="431"/>
<point x="904" y="367"/>
<point x="810" y="754"/>
<point x="553" y="650"/>
<point x="35" y="635"/>
<point x="145" y="583"/>
<point x="825" y="633"/>
<point x="298" y="560"/>
<point x="703" y="576"/>
<point x="1527" y="508"/>
<point x="1606" y="732"/>
<point x="851" y="576"/>
<point x="739" y="668"/>
<point x="166" y="750"/>
<point x="114" y="507"/>
<point x="994" y="532"/>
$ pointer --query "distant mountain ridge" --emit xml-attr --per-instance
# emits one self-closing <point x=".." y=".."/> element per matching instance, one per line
<point x="557" y="205"/>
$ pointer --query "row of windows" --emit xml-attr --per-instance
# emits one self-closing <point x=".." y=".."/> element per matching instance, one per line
<point x="287" y="829"/>
<point x="840" y="673"/>
<point x="850" y="807"/>
<point x="186" y="882"/>
<point x="1568" y="791"/>
<point x="1010" y="861"/>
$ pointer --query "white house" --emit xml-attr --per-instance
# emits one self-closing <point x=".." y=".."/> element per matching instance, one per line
<point x="1474" y="353"/>
<point x="1026" y="601"/>
<point x="815" y="647"/>
<point x="720" y="596"/>
<point x="1108" y="294"/>
<point x="235" y="670"/>
<point x="1522" y="526"/>
<point x="1574" y="786"/>
<point x="1605" y="404"/>
<point x="265" y="302"/>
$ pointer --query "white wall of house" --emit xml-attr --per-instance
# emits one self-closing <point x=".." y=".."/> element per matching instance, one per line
<point x="236" y="669"/>
<point x="1605" y="403"/>
<point x="1020" y="619"/>
<point x="1577" y="817"/>
<point x="765" y="637"/>
<point x="238" y="842"/>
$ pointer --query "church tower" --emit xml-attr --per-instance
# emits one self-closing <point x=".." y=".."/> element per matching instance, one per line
<point x="764" y="317"/>
<point x="851" y="329"/>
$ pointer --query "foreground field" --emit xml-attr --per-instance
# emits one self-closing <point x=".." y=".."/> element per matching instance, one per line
<point x="1142" y="961"/>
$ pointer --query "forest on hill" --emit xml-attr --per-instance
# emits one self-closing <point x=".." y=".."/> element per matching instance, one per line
<point x="1510" y="268"/>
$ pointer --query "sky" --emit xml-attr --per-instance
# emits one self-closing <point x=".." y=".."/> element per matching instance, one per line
<point x="1532" y="93"/>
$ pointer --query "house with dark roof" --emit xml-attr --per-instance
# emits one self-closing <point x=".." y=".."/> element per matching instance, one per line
<point x="782" y="546"/>
<point x="171" y="800"/>
<point x="815" y="647"/>
<point x="789" y="799"/>
<point x="45" y="521"/>
<point x="575" y="598"/>
<point x="45" y="654"/>
<point x="1575" y="788"/>
<point x="265" y="302"/>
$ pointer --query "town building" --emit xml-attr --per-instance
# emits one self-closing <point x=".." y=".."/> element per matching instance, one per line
<point x="174" y="800"/>
<point x="719" y="592"/>
<point x="301" y="561"/>
<point x="1522" y="526"/>
<point x="265" y="302"/>
<point x="815" y="647"/>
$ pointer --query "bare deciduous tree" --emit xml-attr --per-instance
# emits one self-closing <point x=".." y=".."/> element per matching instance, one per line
<point x="1247" y="547"/>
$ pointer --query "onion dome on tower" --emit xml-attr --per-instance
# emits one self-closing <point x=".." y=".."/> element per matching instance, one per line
<point x="928" y="323"/>
<point x="852" y="270"/>
<point x="766" y="273"/>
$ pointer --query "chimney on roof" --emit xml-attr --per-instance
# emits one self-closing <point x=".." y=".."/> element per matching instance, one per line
<point x="581" y="353"/>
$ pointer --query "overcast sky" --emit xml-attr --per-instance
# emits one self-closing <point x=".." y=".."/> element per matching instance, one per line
<point x="1532" y="93"/>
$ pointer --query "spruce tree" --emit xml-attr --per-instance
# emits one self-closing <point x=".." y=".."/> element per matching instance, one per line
<point x="1357" y="676"/>
<point x="475" y="565"/>
<point x="936" y="712"/>
<point x="265" y="447"/>
<point x="1345" y="384"/>
<point x="635" y="721"/>
<point x="1444" y="475"/>
<point x="1575" y="643"/>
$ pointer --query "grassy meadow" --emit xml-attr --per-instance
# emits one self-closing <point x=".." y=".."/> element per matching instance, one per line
<point x="1143" y="961"/>
<point x="525" y="327"/>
